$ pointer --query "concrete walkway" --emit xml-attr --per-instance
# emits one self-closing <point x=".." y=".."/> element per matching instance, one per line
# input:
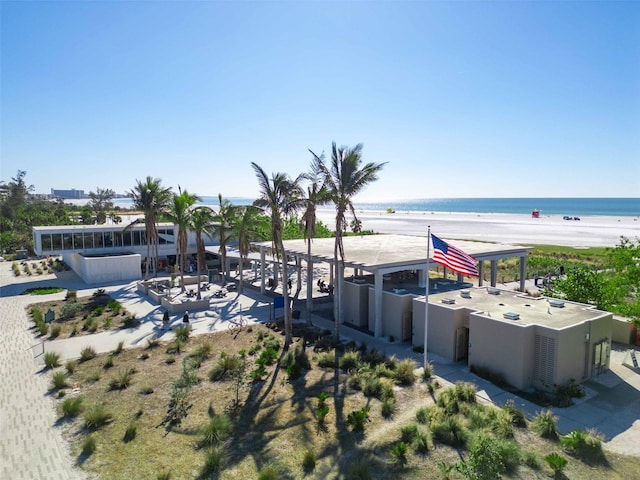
<point x="32" y="448"/>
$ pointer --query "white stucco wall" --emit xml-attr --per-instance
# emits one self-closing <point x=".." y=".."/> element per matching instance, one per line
<point x="113" y="268"/>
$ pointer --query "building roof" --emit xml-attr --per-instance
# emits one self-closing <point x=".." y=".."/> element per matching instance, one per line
<point x="381" y="252"/>
<point x="530" y="310"/>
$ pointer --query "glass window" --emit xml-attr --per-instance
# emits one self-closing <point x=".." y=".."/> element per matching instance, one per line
<point x="56" y="240"/>
<point x="88" y="240"/>
<point x="67" y="242"/>
<point x="98" y="241"/>
<point x="78" y="241"/>
<point x="136" y="238"/>
<point x="108" y="239"/>
<point x="46" y="241"/>
<point x="117" y="239"/>
<point x="126" y="238"/>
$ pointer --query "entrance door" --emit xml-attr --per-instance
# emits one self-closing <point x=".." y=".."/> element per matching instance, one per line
<point x="462" y="343"/>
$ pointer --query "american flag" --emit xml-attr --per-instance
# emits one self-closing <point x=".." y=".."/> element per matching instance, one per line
<point x="453" y="258"/>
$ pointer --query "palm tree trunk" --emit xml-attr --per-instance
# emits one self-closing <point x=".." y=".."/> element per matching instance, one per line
<point x="285" y="294"/>
<point x="240" y="285"/>
<point x="309" y="284"/>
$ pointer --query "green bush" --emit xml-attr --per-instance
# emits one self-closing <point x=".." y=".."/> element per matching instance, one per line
<point x="43" y="328"/>
<point x="357" y="419"/>
<point x="584" y="445"/>
<point x="72" y="295"/>
<point x="269" y="472"/>
<point x="119" y="348"/>
<point x="484" y="462"/>
<point x="122" y="379"/>
<point x="108" y="362"/>
<point x="517" y="416"/>
<point x="258" y="374"/>
<point x="359" y="469"/>
<point x="87" y="353"/>
<point x="272" y="342"/>
<point x="70" y="310"/>
<point x="502" y="424"/>
<point x="129" y="321"/>
<point x="421" y="415"/>
<point x="97" y="311"/>
<point x="399" y="453"/>
<point x="450" y="431"/>
<point x="96" y="417"/>
<point x="182" y="333"/>
<point x="372" y="386"/>
<point x="107" y="323"/>
<point x="226" y="364"/>
<point x="510" y="454"/>
<point x="308" y="461"/>
<point x="70" y="366"/>
<point x="71" y="407"/>
<point x="216" y="431"/>
<point x="422" y="442"/>
<point x="408" y="432"/>
<point x="88" y="445"/>
<point x="349" y="361"/>
<point x="403" y="373"/>
<point x="214" y="461"/>
<point x="59" y="380"/>
<point x="267" y="357"/>
<point x="37" y="315"/>
<point x="51" y="360"/>
<point x="114" y="306"/>
<point x="388" y="408"/>
<point x="557" y="463"/>
<point x="428" y="372"/>
<point x="544" y="424"/>
<point x="130" y="433"/>
<point x="56" y="330"/>
<point x="327" y="360"/>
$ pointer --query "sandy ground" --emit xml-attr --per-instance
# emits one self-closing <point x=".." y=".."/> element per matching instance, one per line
<point x="589" y="231"/>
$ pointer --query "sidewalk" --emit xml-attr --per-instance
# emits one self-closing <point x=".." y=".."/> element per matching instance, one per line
<point x="31" y="448"/>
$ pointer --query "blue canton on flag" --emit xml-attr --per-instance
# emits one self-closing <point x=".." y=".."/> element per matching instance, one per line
<point x="453" y="258"/>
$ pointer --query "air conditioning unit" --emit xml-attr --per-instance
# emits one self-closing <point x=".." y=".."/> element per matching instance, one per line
<point x="465" y="293"/>
<point x="448" y="301"/>
<point x="493" y="291"/>
<point x="511" y="316"/>
<point x="556" y="303"/>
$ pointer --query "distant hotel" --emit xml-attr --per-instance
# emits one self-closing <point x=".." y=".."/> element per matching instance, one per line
<point x="68" y="194"/>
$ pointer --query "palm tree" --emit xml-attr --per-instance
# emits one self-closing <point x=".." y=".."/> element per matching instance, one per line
<point x="281" y="196"/>
<point x="317" y="194"/>
<point x="202" y="222"/>
<point x="153" y="199"/>
<point x="223" y="229"/>
<point x="344" y="179"/>
<point x="249" y="226"/>
<point x="180" y="215"/>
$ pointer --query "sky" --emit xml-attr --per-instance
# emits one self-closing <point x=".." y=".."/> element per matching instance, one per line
<point x="461" y="99"/>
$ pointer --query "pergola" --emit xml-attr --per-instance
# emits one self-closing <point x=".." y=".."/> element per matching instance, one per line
<point x="381" y="255"/>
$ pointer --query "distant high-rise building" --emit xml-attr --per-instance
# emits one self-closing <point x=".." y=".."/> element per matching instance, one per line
<point x="73" y="193"/>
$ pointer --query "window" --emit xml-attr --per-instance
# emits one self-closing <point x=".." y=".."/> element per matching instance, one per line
<point x="78" y="241"/>
<point x="67" y="241"/>
<point x="98" y="241"/>
<point x="46" y="242"/>
<point x="56" y="240"/>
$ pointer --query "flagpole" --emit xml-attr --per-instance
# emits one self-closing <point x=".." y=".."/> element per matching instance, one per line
<point x="426" y="299"/>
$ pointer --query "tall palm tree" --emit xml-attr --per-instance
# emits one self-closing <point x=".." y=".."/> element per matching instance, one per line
<point x="153" y="199"/>
<point x="202" y="219"/>
<point x="280" y="195"/>
<point x="344" y="179"/>
<point x="317" y="194"/>
<point x="223" y="229"/>
<point x="180" y="215"/>
<point x="249" y="226"/>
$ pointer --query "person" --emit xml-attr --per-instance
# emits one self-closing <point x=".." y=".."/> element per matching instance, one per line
<point x="535" y="279"/>
<point x="165" y="319"/>
<point x="289" y="284"/>
<point x="185" y="319"/>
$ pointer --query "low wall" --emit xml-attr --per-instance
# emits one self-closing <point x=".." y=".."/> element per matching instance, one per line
<point x="193" y="279"/>
<point x="104" y="269"/>
<point x="182" y="306"/>
<point x="620" y="330"/>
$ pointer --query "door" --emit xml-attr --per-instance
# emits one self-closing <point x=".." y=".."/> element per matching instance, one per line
<point x="462" y="343"/>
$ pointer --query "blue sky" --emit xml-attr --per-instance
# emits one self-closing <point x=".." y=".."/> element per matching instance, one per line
<point x="478" y="99"/>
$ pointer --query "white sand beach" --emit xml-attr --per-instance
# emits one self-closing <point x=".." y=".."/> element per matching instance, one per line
<point x="589" y="231"/>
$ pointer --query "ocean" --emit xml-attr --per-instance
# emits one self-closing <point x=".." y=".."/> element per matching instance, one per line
<point x="626" y="207"/>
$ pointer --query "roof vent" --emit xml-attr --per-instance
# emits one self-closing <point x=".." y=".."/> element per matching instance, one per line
<point x="449" y="301"/>
<point x="556" y="303"/>
<point x="465" y="293"/>
<point x="512" y="316"/>
<point x="493" y="291"/>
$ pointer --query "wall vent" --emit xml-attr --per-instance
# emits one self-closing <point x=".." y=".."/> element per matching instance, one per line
<point x="493" y="291"/>
<point x="556" y="303"/>
<point x="448" y="301"/>
<point x="465" y="293"/>
<point x="512" y="316"/>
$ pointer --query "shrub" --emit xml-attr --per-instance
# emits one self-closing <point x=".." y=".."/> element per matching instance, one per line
<point x="70" y="366"/>
<point x="182" y="333"/>
<point x="164" y="476"/>
<point x="427" y="372"/>
<point x="88" y="445"/>
<point x="294" y="361"/>
<point x="96" y="417"/>
<point x="450" y="431"/>
<point x="408" y="432"/>
<point x="308" y="461"/>
<point x="349" y="361"/>
<point x="214" y="460"/>
<point x="517" y="416"/>
<point x="71" y="407"/>
<point x="327" y="360"/>
<point x="108" y="363"/>
<point x="175" y="346"/>
<point x="359" y="470"/>
<point x="502" y="424"/>
<point x="372" y="387"/>
<point x="89" y="324"/>
<point x="170" y="359"/>
<point x="321" y="413"/>
<point x="422" y="442"/>
<point x="268" y="472"/>
<point x="272" y="342"/>
<point x="258" y="373"/>
<point x="267" y="357"/>
<point x="510" y="454"/>
<point x="557" y="463"/>
<point x="227" y="364"/>
<point x="108" y="322"/>
<point x="421" y="415"/>
<point x="59" y="380"/>
<point x="484" y="460"/>
<point x="129" y="321"/>
<point x="201" y="353"/>
<point x="216" y="431"/>
<point x="56" y="330"/>
<point x="152" y="343"/>
<point x="70" y="310"/>
<point x="584" y="445"/>
<point x="99" y="310"/>
<point x="114" y="306"/>
<point x="51" y="360"/>
<point x="146" y="390"/>
<point x="388" y="408"/>
<point x="119" y="348"/>
<point x="403" y="373"/>
<point x="99" y="292"/>
<point x="358" y="418"/>
<point x="43" y="328"/>
<point x="130" y="433"/>
<point x="399" y="453"/>
<point x="87" y="353"/>
<point x="544" y="424"/>
<point x="72" y="295"/>
<point x="122" y="380"/>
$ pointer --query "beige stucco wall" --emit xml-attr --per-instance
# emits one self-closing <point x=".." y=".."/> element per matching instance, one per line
<point x="355" y="302"/>
<point x="443" y="323"/>
<point x="114" y="268"/>
<point x="504" y="347"/>
<point x="394" y="307"/>
<point x="620" y="330"/>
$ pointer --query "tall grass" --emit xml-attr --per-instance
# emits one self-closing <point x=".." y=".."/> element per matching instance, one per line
<point x="71" y="407"/>
<point x="544" y="424"/>
<point x="51" y="360"/>
<point x="96" y="417"/>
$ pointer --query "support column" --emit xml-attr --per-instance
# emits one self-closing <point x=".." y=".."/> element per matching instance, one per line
<point x="422" y="279"/>
<point x="299" y="270"/>
<point x="523" y="271"/>
<point x="331" y="268"/>
<point x="377" y="302"/>
<point x="480" y="273"/>
<point x="444" y="272"/>
<point x="262" y="260"/>
<point x="460" y="278"/>
<point x="494" y="272"/>
<point x="310" y="284"/>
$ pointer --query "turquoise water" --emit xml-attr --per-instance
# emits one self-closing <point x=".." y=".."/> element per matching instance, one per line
<point x="547" y="206"/>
